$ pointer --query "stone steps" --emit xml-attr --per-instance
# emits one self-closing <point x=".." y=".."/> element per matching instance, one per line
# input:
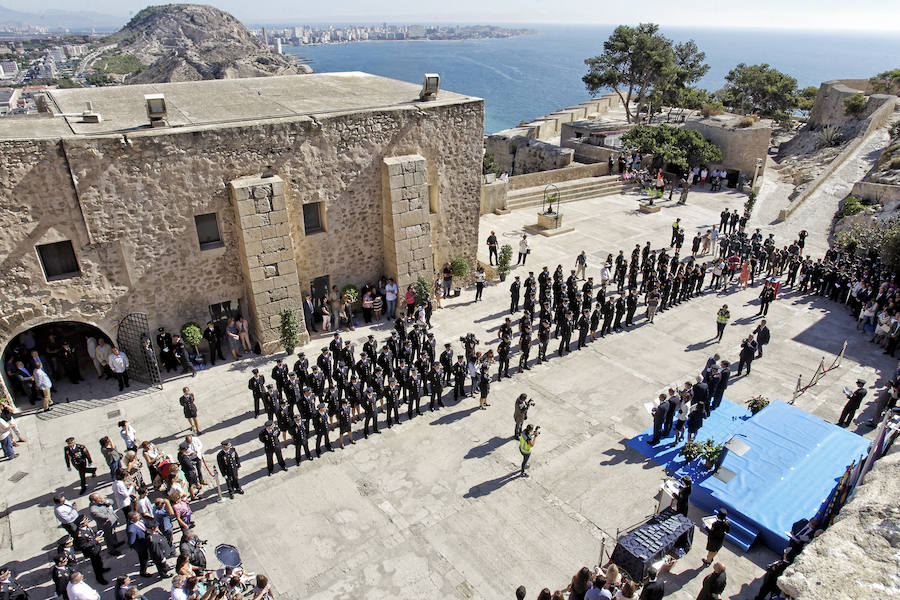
<point x="569" y="191"/>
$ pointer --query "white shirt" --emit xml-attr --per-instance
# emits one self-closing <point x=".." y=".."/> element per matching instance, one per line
<point x="390" y="291"/>
<point x="128" y="434"/>
<point x="118" y="362"/>
<point x="91" y="347"/>
<point x="523" y="246"/>
<point x="122" y="493"/>
<point x="65" y="512"/>
<point x="4" y="429"/>
<point x="195" y="448"/>
<point x="177" y="594"/>
<point x="81" y="591"/>
<point x="41" y="379"/>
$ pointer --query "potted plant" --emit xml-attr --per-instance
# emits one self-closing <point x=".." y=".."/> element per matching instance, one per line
<point x="422" y="289"/>
<point x="460" y="267"/>
<point x="690" y="451"/>
<point x="351" y="292"/>
<point x="757" y="403"/>
<point x="290" y="330"/>
<point x="504" y="260"/>
<point x="192" y="335"/>
<point x="711" y="452"/>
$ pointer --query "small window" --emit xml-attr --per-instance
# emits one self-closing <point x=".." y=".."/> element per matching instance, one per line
<point x="58" y="260"/>
<point x="208" y="231"/>
<point x="312" y="218"/>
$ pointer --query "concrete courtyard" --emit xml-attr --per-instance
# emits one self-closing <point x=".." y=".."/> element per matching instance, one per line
<point x="434" y="508"/>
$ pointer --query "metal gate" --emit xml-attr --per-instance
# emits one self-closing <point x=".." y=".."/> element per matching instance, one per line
<point x="133" y="338"/>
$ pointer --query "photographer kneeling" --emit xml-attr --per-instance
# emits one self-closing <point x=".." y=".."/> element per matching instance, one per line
<point x="526" y="443"/>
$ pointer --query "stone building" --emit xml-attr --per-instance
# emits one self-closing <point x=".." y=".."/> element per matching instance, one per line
<point x="245" y="195"/>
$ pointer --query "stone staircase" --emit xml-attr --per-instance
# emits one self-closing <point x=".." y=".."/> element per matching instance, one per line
<point x="569" y="191"/>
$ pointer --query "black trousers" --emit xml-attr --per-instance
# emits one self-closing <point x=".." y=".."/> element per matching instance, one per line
<point x="373" y="418"/>
<point x="272" y="453"/>
<point x="514" y="303"/>
<point x="492" y="254"/>
<point x="232" y="483"/>
<point x="319" y="437"/>
<point x="436" y="397"/>
<point x="504" y="366"/>
<point x="122" y="378"/>
<point x="542" y="350"/>
<point x="741" y="364"/>
<point x="847" y="415"/>
<point x="459" y="387"/>
<point x="82" y="474"/>
<point x="214" y="351"/>
<point x="143" y="555"/>
<point x="392" y="406"/>
<point x="301" y="444"/>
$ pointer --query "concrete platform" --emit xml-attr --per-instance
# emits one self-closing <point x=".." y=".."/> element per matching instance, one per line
<point x="432" y="508"/>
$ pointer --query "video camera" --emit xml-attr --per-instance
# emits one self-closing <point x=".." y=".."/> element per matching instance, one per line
<point x="469" y="338"/>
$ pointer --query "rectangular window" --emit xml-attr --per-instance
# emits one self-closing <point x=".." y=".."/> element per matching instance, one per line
<point x="312" y="218"/>
<point x="208" y="231"/>
<point x="58" y="260"/>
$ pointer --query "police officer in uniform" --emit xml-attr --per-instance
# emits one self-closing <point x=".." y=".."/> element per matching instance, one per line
<point x="280" y="377"/>
<point x="854" y="399"/>
<point x="88" y="542"/>
<point x="320" y="422"/>
<point x="270" y="401"/>
<point x="370" y="408"/>
<point x="392" y="399"/>
<point x="514" y="295"/>
<point x="269" y="438"/>
<point x="413" y="392"/>
<point x="257" y="385"/>
<point x="447" y="362"/>
<point x="503" y="351"/>
<point x="543" y="340"/>
<point x="459" y="378"/>
<point x="229" y="463"/>
<point x="525" y="347"/>
<point x="77" y="456"/>
<point x="437" y="387"/>
<point x="584" y="323"/>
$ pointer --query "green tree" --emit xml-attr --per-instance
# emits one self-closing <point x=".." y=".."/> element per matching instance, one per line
<point x="638" y="60"/>
<point x="855" y="105"/>
<point x="887" y="82"/>
<point x="677" y="146"/>
<point x="289" y="330"/>
<point x="806" y="99"/>
<point x="192" y="335"/>
<point x="488" y="164"/>
<point x="760" y="89"/>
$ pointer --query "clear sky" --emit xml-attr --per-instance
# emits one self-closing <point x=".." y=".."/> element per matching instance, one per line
<point x="792" y="14"/>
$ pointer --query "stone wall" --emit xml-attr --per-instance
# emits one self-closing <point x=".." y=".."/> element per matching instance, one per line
<point x="407" y="229"/>
<point x="129" y="209"/>
<point x="865" y="537"/>
<point x="534" y="156"/>
<point x="493" y="196"/>
<point x="876" y="192"/>
<point x="558" y="176"/>
<point x="268" y="261"/>
<point x="740" y="146"/>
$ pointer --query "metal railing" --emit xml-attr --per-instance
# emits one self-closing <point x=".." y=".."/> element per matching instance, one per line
<point x="821" y="370"/>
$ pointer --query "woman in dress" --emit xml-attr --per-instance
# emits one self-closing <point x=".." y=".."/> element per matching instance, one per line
<point x="344" y="420"/>
<point x="189" y="404"/>
<point x="745" y="276"/>
<point x="695" y="421"/>
<point x="377" y="305"/>
<point x="152" y="456"/>
<point x="484" y="386"/>
<point x="367" y="303"/>
<point x="717" y="532"/>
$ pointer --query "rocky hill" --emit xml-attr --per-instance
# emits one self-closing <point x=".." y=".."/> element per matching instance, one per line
<point x="189" y="42"/>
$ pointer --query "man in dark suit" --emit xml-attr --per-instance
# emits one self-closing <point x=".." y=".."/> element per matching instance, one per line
<point x="659" y="419"/>
<point x="724" y="376"/>
<point x="88" y="542"/>
<point x="257" y="386"/>
<point x="653" y="589"/>
<point x="762" y="337"/>
<point x="854" y="399"/>
<point x="309" y="311"/>
<point x="748" y="351"/>
<point x="713" y="584"/>
<point x="700" y="394"/>
<point x="137" y="540"/>
<point x="158" y="548"/>
<point x="214" y="339"/>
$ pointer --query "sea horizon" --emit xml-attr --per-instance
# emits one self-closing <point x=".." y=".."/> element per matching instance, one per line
<point x="522" y="78"/>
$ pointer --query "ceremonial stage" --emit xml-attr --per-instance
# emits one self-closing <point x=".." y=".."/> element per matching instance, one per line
<point x="781" y="466"/>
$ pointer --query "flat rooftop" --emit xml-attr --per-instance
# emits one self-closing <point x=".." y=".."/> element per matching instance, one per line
<point x="221" y="102"/>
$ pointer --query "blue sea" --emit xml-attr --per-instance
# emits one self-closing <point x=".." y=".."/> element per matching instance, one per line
<point x="526" y="77"/>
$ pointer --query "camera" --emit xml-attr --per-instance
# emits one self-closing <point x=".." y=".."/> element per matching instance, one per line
<point x="537" y="430"/>
<point x="530" y="404"/>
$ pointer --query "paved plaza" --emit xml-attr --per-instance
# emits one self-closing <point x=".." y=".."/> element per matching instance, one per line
<point x="434" y="508"/>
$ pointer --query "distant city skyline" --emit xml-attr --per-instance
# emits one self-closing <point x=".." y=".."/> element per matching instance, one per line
<point x="873" y="15"/>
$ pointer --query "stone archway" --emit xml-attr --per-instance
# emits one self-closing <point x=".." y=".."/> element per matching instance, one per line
<point x="38" y="337"/>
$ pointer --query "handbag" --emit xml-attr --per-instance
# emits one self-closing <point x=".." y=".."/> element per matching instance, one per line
<point x="528" y="251"/>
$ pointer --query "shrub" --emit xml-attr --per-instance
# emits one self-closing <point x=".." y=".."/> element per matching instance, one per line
<point x="748" y="121"/>
<point x="422" y="289"/>
<point x="711" y="451"/>
<point x="488" y="164"/>
<point x="751" y="202"/>
<point x="460" y="266"/>
<point x="504" y="260"/>
<point x="192" y="334"/>
<point x="830" y="136"/>
<point x="855" y="105"/>
<point x="290" y="330"/>
<point x="690" y="451"/>
<point x="654" y="193"/>
<point x="351" y="292"/>
<point x="895" y="130"/>
<point x="757" y="403"/>
<point x="851" y="206"/>
<point x="712" y="109"/>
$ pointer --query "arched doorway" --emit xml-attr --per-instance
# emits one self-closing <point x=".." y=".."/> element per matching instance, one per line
<point x="48" y="341"/>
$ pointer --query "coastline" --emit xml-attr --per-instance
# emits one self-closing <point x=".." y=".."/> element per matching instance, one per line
<point x="474" y="39"/>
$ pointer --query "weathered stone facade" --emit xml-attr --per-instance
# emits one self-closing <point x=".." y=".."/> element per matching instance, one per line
<point x="128" y="203"/>
<point x="407" y="228"/>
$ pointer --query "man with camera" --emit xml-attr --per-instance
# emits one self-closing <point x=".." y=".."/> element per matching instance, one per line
<point x="520" y="413"/>
<point x="526" y="443"/>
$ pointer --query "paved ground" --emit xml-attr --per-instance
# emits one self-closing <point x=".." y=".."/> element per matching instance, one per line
<point x="432" y="509"/>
